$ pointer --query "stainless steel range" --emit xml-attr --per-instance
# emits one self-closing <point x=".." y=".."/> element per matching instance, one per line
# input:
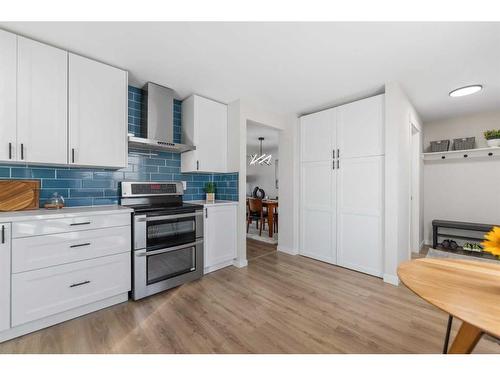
<point x="167" y="238"/>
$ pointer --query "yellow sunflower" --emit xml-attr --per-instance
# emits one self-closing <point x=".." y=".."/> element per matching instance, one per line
<point x="492" y="241"/>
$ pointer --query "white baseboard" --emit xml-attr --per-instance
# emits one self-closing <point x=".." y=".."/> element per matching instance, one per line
<point x="240" y="263"/>
<point x="61" y="317"/>
<point x="287" y="250"/>
<point x="218" y="266"/>
<point x="391" y="279"/>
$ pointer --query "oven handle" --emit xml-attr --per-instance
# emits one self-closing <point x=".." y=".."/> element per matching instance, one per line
<point x="178" y="216"/>
<point x="144" y="252"/>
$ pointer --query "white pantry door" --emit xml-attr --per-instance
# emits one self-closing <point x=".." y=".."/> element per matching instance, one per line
<point x="4" y="276"/>
<point x="360" y="205"/>
<point x="42" y="122"/>
<point x="360" y="127"/>
<point x="8" y="89"/>
<point x="97" y="114"/>
<point x="318" y="186"/>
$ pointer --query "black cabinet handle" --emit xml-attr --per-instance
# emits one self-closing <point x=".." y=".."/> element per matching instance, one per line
<point x="465" y="155"/>
<point x="81" y="245"/>
<point x="22" y="151"/>
<point x="84" y="223"/>
<point x="333" y="166"/>
<point x="80" y="284"/>
<point x="10" y="150"/>
<point x="206" y="213"/>
<point x="333" y="153"/>
<point x="3" y="233"/>
<point x="197" y="165"/>
<point x="72" y="155"/>
<point x="338" y="164"/>
<point x="490" y="153"/>
<point x="338" y="153"/>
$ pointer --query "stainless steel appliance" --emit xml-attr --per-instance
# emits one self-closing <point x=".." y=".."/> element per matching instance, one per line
<point x="158" y="120"/>
<point x="167" y="238"/>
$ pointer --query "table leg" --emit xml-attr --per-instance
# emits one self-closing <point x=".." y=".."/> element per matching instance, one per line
<point x="270" y="219"/>
<point x="447" y="337"/>
<point x="466" y="339"/>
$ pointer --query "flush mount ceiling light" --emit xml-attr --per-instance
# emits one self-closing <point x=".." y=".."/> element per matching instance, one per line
<point x="467" y="90"/>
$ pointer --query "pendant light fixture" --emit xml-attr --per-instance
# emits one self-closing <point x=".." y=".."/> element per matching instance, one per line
<point x="261" y="159"/>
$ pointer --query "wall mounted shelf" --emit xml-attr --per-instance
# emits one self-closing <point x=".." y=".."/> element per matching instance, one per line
<point x="483" y="153"/>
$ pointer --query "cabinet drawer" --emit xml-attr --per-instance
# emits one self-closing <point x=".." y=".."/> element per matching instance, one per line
<point x="72" y="224"/>
<point x="30" y="253"/>
<point x="41" y="293"/>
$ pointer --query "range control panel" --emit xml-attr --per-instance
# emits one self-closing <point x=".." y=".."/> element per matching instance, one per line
<point x="151" y="188"/>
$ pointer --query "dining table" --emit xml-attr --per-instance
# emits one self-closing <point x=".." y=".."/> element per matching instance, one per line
<point x="464" y="289"/>
<point x="272" y="205"/>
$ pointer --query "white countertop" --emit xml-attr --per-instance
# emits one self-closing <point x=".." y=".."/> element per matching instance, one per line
<point x="44" y="213"/>
<point x="216" y="203"/>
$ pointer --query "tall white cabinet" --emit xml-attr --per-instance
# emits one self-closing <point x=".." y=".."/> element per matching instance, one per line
<point x="342" y="172"/>
<point x="4" y="276"/>
<point x="8" y="88"/>
<point x="42" y="84"/>
<point x="97" y="113"/>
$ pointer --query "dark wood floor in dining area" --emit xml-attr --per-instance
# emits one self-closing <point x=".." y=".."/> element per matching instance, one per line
<point x="278" y="304"/>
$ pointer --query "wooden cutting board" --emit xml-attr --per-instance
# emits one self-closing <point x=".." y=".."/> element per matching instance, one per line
<point x="16" y="195"/>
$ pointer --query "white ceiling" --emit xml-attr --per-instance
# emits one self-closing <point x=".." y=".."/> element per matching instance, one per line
<point x="296" y="67"/>
<point x="256" y="130"/>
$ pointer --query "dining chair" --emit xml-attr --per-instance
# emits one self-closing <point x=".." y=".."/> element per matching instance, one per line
<point x="255" y="211"/>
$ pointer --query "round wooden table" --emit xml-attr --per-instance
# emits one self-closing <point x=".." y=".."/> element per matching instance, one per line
<point x="467" y="290"/>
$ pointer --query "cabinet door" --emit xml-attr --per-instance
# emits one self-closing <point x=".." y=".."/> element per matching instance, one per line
<point x="8" y="89"/>
<point x="205" y="126"/>
<point x="360" y="128"/>
<point x="360" y="208"/>
<point x="211" y="135"/>
<point x="317" y="132"/>
<point x="220" y="234"/>
<point x="97" y="114"/>
<point x="318" y="211"/>
<point x="42" y="103"/>
<point x="4" y="276"/>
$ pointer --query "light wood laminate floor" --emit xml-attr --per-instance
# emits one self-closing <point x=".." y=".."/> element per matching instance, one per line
<point x="278" y="304"/>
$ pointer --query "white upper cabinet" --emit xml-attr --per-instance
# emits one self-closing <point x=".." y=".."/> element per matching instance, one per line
<point x="8" y="58"/>
<point x="360" y="128"/>
<point x="204" y="125"/>
<point x="42" y="77"/>
<point x="97" y="114"/>
<point x="4" y="276"/>
<point x="317" y="133"/>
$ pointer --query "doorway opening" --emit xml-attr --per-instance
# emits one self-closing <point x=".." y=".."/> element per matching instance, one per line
<point x="416" y="228"/>
<point x="262" y="189"/>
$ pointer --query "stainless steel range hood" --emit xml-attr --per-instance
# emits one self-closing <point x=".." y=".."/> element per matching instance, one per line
<point x="158" y="120"/>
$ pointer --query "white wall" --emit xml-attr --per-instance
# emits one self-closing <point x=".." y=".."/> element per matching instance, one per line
<point x="399" y="113"/>
<point x="463" y="190"/>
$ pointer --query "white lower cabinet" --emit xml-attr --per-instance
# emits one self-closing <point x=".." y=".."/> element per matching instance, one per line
<point x="37" y="252"/>
<point x="219" y="236"/>
<point x="4" y="276"/>
<point x="57" y="269"/>
<point x="48" y="291"/>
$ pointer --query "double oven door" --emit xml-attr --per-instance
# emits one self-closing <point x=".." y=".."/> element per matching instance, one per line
<point x="168" y="251"/>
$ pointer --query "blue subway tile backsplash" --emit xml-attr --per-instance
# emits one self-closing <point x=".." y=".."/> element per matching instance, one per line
<point x="98" y="186"/>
